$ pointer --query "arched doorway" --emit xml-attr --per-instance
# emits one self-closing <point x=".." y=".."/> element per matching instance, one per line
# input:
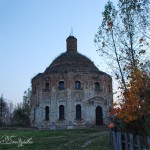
<point x="99" y="116"/>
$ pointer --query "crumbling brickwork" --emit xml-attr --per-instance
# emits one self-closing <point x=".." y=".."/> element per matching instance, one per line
<point x="72" y="79"/>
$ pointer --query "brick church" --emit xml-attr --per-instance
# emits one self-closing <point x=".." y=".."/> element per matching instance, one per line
<point x="71" y="93"/>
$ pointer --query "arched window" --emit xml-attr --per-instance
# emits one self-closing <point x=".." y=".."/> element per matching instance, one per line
<point x="46" y="86"/>
<point x="46" y="113"/>
<point x="97" y="86"/>
<point x="61" y="85"/>
<point x="61" y="112"/>
<point x="78" y="112"/>
<point x="77" y="85"/>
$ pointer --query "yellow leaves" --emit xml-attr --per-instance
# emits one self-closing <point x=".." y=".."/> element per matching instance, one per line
<point x="141" y="64"/>
<point x="127" y="112"/>
<point x="142" y="51"/>
<point x="121" y="87"/>
<point x="128" y="85"/>
<point x="110" y="23"/>
<point x="136" y="103"/>
<point x="108" y="29"/>
<point x="141" y="40"/>
<point x="128" y="68"/>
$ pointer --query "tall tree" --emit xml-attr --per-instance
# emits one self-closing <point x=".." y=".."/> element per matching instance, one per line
<point x="27" y="106"/>
<point x="4" y="111"/>
<point x="123" y="38"/>
<point x="21" y="114"/>
<point x="122" y="35"/>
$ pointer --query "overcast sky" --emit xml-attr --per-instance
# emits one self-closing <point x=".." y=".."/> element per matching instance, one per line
<point x="33" y="33"/>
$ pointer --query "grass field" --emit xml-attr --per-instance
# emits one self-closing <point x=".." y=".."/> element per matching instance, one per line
<point x="79" y="139"/>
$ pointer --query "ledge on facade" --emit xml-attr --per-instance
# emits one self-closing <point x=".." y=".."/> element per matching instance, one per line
<point x="61" y="121"/>
<point x="78" y="88"/>
<point x="61" y="89"/>
<point x="78" y="120"/>
<point x="98" y="90"/>
<point x="46" y="120"/>
<point x="91" y="102"/>
<point x="46" y="90"/>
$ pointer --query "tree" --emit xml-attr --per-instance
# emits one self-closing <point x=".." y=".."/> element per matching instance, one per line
<point x="27" y="106"/>
<point x="18" y="117"/>
<point x="4" y="111"/>
<point x="21" y="114"/>
<point x="137" y="101"/>
<point x="123" y="38"/>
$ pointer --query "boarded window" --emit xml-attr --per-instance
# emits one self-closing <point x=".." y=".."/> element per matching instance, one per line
<point x="78" y="112"/>
<point x="61" y="112"/>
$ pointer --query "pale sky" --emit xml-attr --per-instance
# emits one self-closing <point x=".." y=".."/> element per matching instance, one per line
<point x="33" y="33"/>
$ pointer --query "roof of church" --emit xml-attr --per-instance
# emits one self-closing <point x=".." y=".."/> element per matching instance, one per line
<point x="71" y="61"/>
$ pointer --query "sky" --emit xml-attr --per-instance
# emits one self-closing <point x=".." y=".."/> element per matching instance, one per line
<point x="34" y="32"/>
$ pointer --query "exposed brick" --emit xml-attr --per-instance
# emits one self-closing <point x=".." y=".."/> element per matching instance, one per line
<point x="70" y="67"/>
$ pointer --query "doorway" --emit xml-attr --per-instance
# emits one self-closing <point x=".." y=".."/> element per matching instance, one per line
<point x="99" y="116"/>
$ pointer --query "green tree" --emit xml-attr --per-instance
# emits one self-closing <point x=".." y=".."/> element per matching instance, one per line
<point x="21" y="114"/>
<point x="4" y="110"/>
<point x="27" y="106"/>
<point x="18" y="117"/>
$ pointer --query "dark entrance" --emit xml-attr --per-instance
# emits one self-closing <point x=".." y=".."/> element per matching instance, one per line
<point x="99" y="116"/>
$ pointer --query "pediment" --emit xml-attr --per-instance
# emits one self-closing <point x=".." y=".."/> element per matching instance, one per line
<point x="97" y="99"/>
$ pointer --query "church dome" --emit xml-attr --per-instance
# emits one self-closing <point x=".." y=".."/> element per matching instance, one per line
<point x="71" y="60"/>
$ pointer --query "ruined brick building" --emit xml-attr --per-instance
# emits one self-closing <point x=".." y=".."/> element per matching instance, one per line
<point x="71" y="92"/>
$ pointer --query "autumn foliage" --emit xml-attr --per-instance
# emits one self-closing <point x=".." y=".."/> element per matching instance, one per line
<point x="123" y="40"/>
<point x="135" y="102"/>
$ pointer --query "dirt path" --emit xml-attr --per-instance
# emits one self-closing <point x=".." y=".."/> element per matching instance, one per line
<point x="93" y="137"/>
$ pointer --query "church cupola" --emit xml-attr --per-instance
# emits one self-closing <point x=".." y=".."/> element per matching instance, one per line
<point x="71" y="43"/>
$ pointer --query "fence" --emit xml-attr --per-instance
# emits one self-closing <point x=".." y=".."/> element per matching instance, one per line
<point x="126" y="141"/>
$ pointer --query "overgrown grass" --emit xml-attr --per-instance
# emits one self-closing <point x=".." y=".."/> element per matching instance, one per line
<point x="79" y="139"/>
